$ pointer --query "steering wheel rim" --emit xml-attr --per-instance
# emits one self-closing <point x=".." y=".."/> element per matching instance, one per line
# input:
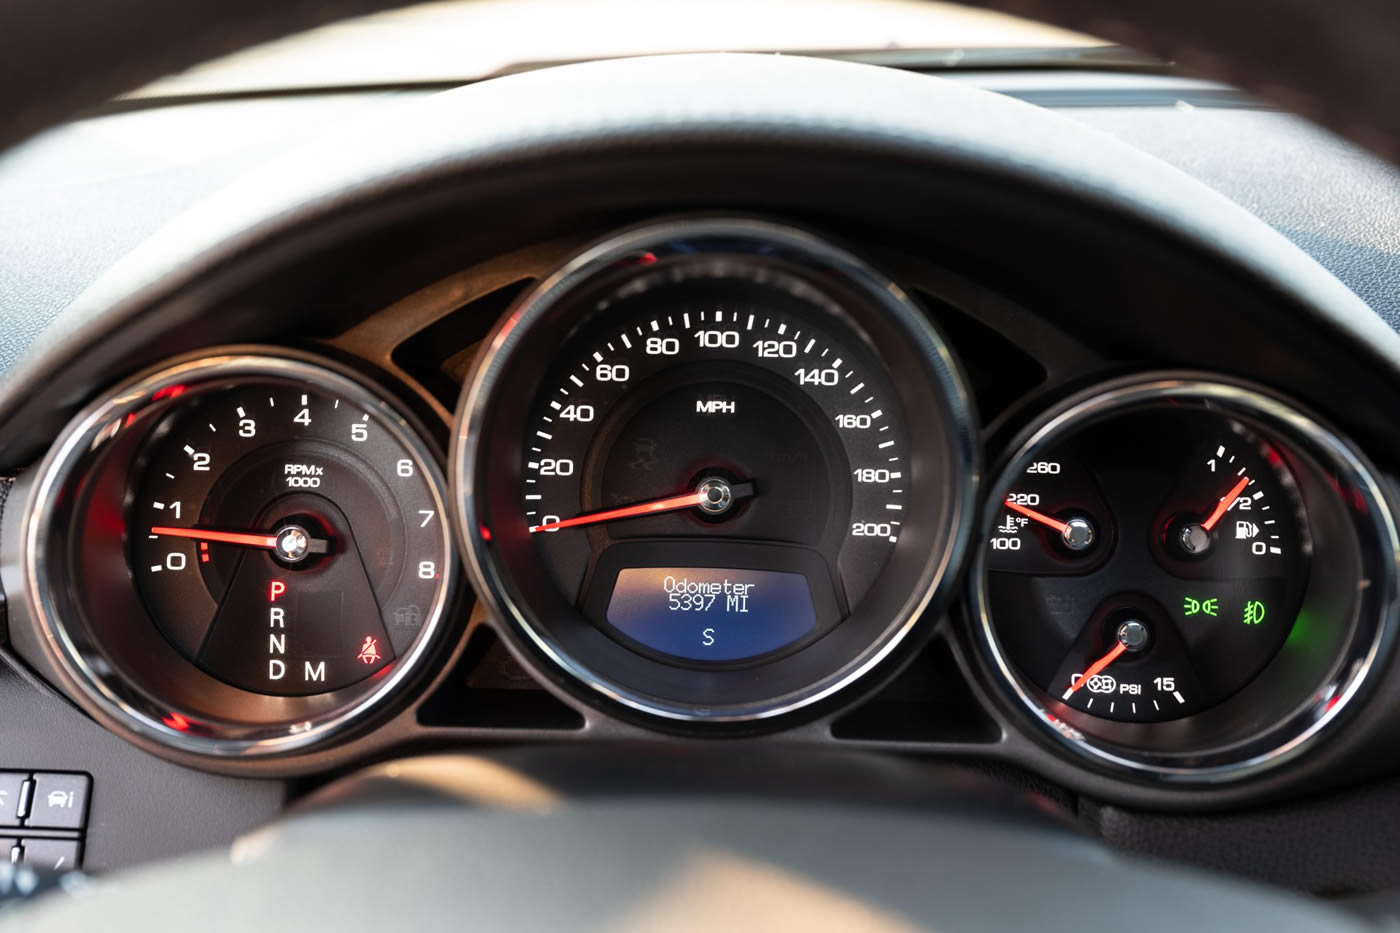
<point x="413" y="843"/>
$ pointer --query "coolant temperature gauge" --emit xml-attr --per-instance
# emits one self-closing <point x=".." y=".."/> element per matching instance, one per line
<point x="1149" y="566"/>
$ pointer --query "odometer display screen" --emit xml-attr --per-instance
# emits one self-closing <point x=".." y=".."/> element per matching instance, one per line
<point x="711" y="614"/>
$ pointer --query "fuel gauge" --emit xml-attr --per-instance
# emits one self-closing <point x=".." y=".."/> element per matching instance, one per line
<point x="1183" y="577"/>
<point x="1149" y="566"/>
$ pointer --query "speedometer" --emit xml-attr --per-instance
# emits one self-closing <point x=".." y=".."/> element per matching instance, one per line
<point x="713" y="470"/>
<point x="706" y="410"/>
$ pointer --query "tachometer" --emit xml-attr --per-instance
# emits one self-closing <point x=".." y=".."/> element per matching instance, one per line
<point x="238" y="555"/>
<point x="713" y="470"/>
<point x="283" y="539"/>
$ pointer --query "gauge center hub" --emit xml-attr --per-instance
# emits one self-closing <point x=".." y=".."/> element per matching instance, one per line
<point x="293" y="543"/>
<point x="1133" y="635"/>
<point x="718" y="496"/>
<point x="1078" y="534"/>
<point x="1194" y="539"/>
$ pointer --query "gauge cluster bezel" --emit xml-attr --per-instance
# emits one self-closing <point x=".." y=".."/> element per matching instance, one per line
<point x="1292" y="703"/>
<point x="110" y="654"/>
<point x="393" y="722"/>
<point x="565" y="649"/>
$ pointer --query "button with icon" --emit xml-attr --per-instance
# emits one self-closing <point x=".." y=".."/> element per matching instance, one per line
<point x="51" y="855"/>
<point x="11" y="792"/>
<point x="60" y="801"/>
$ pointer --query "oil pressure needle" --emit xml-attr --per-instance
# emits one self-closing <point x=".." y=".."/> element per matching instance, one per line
<point x="1096" y="668"/>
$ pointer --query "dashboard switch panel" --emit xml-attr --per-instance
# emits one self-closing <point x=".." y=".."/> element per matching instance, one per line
<point x="11" y="794"/>
<point x="51" y="855"/>
<point x="59" y="801"/>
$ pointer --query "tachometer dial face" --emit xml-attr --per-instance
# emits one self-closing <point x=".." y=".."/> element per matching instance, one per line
<point x="249" y="554"/>
<point x="283" y="540"/>
<point x="717" y="470"/>
<point x="1150" y="566"/>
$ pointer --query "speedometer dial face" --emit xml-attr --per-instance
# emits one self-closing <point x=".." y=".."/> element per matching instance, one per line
<point x="713" y="471"/>
<point x="718" y="469"/>
<point x="284" y="540"/>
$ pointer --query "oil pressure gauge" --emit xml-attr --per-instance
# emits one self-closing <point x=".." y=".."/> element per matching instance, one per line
<point x="1152" y="563"/>
<point x="1174" y="570"/>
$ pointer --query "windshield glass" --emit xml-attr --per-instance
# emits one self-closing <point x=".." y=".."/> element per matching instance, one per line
<point x="463" y="40"/>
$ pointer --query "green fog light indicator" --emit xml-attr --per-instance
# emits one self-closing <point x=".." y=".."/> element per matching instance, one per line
<point x="1253" y="612"/>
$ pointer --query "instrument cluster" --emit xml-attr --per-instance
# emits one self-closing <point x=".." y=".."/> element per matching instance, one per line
<point x="708" y="477"/>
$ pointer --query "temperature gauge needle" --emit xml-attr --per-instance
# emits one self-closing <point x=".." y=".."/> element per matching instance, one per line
<point x="1061" y="527"/>
<point x="1095" y="669"/>
<point x="690" y="500"/>
<point x="1225" y="502"/>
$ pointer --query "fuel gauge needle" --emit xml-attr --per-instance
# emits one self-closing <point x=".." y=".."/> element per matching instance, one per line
<point x="1225" y="502"/>
<point x="1095" y="669"/>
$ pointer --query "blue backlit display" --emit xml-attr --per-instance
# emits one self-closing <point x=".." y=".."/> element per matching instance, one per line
<point x="711" y="614"/>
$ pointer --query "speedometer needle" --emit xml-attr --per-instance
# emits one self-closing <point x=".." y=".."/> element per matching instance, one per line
<point x="670" y="504"/>
<point x="1225" y="502"/>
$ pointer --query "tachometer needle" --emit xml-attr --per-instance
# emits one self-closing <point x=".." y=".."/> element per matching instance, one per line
<point x="1095" y="669"/>
<point x="268" y="542"/>
<point x="1224" y="504"/>
<point x="1061" y="527"/>
<point x="670" y="504"/>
